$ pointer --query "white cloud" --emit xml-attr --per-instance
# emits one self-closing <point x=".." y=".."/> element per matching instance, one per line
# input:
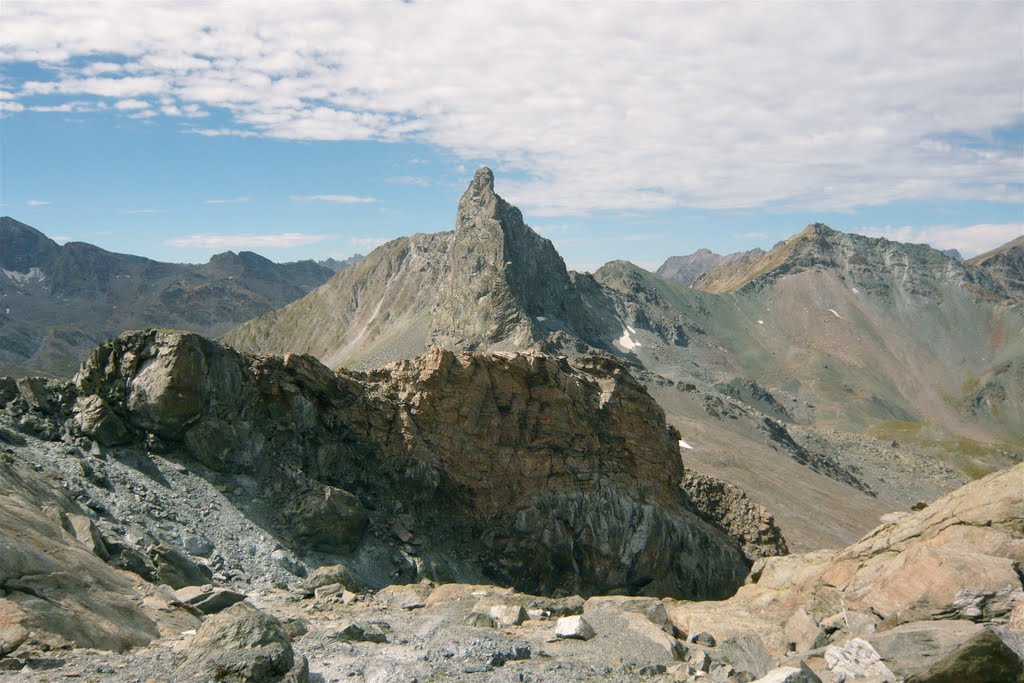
<point x="36" y="202"/>
<point x="236" y="200"/>
<point x="247" y="241"/>
<point x="969" y="240"/>
<point x="627" y="106"/>
<point x="332" y="198"/>
<point x="131" y="104"/>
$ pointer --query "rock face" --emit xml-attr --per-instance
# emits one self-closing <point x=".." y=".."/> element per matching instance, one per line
<point x="96" y="294"/>
<point x="543" y="474"/>
<point x="1005" y="265"/>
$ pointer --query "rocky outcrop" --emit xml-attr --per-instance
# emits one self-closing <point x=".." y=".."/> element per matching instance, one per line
<point x="931" y="593"/>
<point x="1005" y="265"/>
<point x="536" y="472"/>
<point x="727" y="507"/>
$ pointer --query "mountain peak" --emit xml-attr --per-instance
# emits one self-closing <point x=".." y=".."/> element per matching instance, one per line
<point x="478" y="201"/>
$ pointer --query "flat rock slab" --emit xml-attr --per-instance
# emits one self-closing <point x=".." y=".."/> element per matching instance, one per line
<point x="208" y="599"/>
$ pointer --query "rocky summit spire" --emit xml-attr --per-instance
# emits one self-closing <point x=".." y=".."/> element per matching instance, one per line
<point x="501" y="277"/>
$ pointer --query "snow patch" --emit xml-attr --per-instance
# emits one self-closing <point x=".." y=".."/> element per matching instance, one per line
<point x="683" y="444"/>
<point x="627" y="342"/>
<point x="833" y="312"/>
<point x="856" y="291"/>
<point x="33" y="273"/>
<point x="760" y="322"/>
<point x="541" y="318"/>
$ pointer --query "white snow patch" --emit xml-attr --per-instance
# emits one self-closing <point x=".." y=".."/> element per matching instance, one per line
<point x="33" y="273"/>
<point x="631" y="330"/>
<point x="541" y="318"/>
<point x="760" y="322"/>
<point x="856" y="291"/>
<point x="833" y="312"/>
<point x="627" y="342"/>
<point x="683" y="444"/>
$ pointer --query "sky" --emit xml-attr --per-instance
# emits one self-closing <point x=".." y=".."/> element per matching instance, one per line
<point x="623" y="130"/>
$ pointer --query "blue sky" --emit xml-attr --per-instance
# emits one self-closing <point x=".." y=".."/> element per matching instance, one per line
<point x="307" y="130"/>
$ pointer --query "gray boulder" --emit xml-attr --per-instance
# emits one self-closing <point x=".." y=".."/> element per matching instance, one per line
<point x="242" y="645"/>
<point x="208" y="599"/>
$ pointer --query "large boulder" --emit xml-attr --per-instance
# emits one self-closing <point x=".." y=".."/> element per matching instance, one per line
<point x="242" y="645"/>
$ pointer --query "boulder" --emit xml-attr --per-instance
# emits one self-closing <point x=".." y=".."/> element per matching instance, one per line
<point x="509" y="615"/>
<point x="856" y="659"/>
<point x="745" y="653"/>
<point x="354" y="631"/>
<point x="208" y="599"/>
<point x="790" y="674"/>
<point x="651" y="608"/>
<point x="84" y="529"/>
<point x="242" y="645"/>
<point x="331" y="574"/>
<point x="330" y="519"/>
<point x="175" y="569"/>
<point x="804" y="632"/>
<point x="405" y="596"/>
<point x="575" y="627"/>
<point x="479" y="620"/>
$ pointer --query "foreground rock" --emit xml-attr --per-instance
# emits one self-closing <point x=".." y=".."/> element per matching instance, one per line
<point x="928" y="597"/>
<point x="245" y="645"/>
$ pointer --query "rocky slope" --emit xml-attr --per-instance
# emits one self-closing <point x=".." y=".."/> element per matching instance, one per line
<point x="1005" y="265"/>
<point x="873" y="334"/>
<point x="59" y="301"/>
<point x="686" y="269"/>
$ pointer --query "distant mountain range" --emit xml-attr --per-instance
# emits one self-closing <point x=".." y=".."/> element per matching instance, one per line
<point x="686" y="269"/>
<point x="59" y="301"/>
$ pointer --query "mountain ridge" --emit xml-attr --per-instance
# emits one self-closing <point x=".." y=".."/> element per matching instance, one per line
<point x="56" y="301"/>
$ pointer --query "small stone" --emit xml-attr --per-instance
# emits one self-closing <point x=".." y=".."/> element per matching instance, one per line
<point x="703" y="638"/>
<point x="479" y="620"/>
<point x="509" y="615"/>
<point x="575" y="627"/>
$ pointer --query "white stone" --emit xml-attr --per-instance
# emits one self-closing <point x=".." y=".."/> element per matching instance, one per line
<point x="574" y="627"/>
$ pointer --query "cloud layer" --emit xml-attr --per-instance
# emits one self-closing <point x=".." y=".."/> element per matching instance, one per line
<point x="624" y="106"/>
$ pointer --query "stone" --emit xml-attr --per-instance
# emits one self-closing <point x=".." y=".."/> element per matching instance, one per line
<point x="790" y="674"/>
<point x="331" y="519"/>
<point x="703" y="638"/>
<point x="208" y="599"/>
<point x="509" y="615"/>
<point x="84" y="529"/>
<point x="803" y="632"/>
<point x="983" y="658"/>
<point x="479" y="620"/>
<point x="96" y="420"/>
<point x="651" y="608"/>
<point x="11" y="637"/>
<point x="745" y="653"/>
<point x="242" y="644"/>
<point x="405" y="596"/>
<point x="575" y="627"/>
<point x="175" y="569"/>
<point x="856" y="659"/>
<point x="332" y="590"/>
<point x="354" y="631"/>
<point x="197" y="545"/>
<point x="284" y="560"/>
<point x="330" y="574"/>
<point x="698" y="660"/>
